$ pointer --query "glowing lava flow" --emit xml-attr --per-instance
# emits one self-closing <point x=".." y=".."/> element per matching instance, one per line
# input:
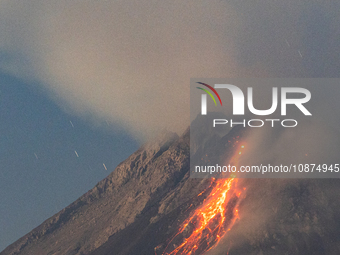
<point x="208" y="223"/>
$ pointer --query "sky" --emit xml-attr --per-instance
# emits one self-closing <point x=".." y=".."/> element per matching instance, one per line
<point x="48" y="157"/>
<point x="99" y="78"/>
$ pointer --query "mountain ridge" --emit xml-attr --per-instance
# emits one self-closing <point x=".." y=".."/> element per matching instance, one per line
<point x="144" y="178"/>
<point x="139" y="207"/>
<point x="114" y="181"/>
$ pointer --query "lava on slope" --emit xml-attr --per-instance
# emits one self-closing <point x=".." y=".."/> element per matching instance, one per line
<point x="213" y="219"/>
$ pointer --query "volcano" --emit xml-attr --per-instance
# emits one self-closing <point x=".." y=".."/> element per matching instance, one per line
<point x="150" y="205"/>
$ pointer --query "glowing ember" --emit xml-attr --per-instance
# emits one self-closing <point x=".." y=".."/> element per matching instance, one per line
<point x="209" y="223"/>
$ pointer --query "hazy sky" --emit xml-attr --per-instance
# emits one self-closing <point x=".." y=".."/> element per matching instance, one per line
<point x="48" y="158"/>
<point x="130" y="61"/>
<point x="127" y="65"/>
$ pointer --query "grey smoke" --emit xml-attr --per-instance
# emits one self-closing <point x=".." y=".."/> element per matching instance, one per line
<point x="129" y="62"/>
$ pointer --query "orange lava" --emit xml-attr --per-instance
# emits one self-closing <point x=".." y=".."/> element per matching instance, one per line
<point x="211" y="221"/>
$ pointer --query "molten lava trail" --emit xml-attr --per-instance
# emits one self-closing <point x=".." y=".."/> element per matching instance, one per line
<point x="210" y="222"/>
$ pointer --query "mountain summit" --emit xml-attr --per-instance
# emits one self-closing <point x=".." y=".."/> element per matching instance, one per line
<point x="152" y="182"/>
<point x="139" y="209"/>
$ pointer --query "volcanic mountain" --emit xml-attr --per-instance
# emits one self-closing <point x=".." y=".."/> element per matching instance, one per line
<point x="149" y="205"/>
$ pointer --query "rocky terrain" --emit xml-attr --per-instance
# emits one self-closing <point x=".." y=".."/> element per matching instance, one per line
<point x="151" y="183"/>
<point x="140" y="205"/>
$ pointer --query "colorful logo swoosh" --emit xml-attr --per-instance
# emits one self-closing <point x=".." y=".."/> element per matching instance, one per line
<point x="208" y="92"/>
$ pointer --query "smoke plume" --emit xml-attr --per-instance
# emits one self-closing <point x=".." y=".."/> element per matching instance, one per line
<point x="130" y="62"/>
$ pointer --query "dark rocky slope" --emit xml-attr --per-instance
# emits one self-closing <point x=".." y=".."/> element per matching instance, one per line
<point x="152" y="182"/>
<point x="139" y="206"/>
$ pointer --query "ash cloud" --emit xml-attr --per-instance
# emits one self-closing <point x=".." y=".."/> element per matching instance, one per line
<point x="129" y="62"/>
